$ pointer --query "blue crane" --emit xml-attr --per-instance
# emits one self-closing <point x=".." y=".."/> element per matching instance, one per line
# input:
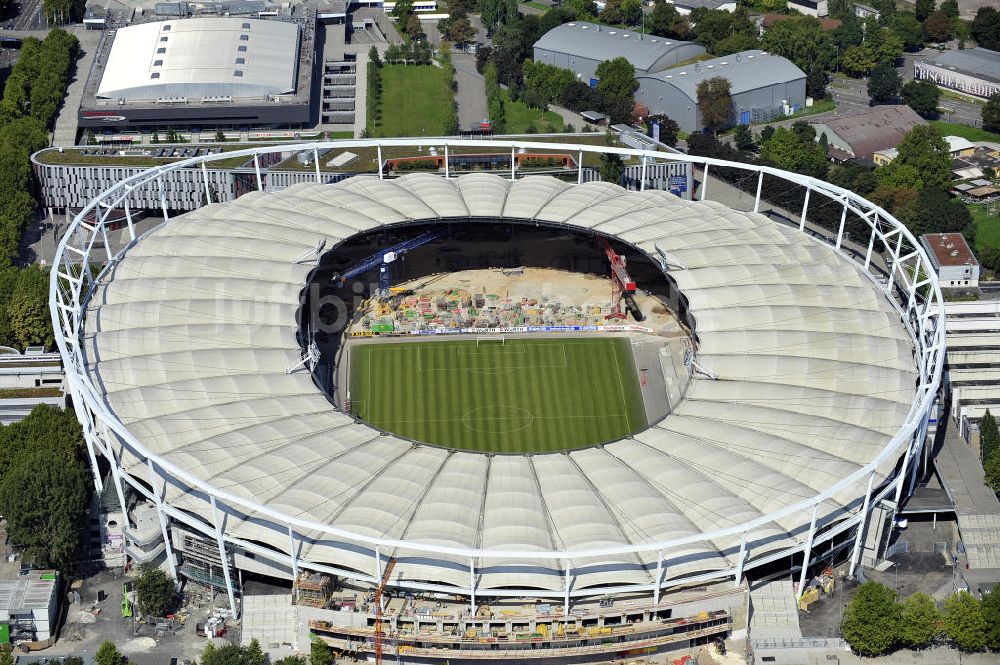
<point x="383" y="258"/>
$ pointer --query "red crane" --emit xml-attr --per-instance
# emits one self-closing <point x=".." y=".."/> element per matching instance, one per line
<point x="622" y="285"/>
<point x="378" y="609"/>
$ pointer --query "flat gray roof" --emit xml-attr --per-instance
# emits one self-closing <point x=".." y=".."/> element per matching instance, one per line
<point x="601" y="42"/>
<point x="748" y="70"/>
<point x="979" y="62"/>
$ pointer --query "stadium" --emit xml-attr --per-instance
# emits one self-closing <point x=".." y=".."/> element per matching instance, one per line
<point x="810" y="366"/>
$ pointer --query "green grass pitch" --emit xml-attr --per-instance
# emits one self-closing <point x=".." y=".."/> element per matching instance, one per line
<point x="522" y="396"/>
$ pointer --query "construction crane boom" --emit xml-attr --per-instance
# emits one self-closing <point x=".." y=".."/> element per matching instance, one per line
<point x="622" y="285"/>
<point x="383" y="258"/>
<point x="378" y="609"/>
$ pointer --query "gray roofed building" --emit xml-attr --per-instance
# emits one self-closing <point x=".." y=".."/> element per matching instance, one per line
<point x="581" y="47"/>
<point x="686" y="6"/>
<point x="861" y="134"/>
<point x="763" y="85"/>
<point x="974" y="71"/>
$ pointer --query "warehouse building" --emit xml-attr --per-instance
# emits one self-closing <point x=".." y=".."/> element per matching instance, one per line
<point x="763" y="86"/>
<point x="862" y="134"/>
<point x="974" y="71"/>
<point x="953" y="260"/>
<point x="216" y="71"/>
<point x="29" y="607"/>
<point x="580" y="47"/>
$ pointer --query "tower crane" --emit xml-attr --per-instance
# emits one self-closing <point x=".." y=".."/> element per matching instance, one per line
<point x="383" y="258"/>
<point x="622" y="287"/>
<point x="378" y="609"/>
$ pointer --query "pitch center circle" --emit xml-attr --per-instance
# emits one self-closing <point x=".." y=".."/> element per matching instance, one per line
<point x="498" y="419"/>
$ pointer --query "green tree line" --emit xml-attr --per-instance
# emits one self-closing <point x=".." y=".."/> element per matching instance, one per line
<point x="875" y="623"/>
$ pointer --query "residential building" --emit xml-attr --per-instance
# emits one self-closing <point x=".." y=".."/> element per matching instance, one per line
<point x="763" y="86"/>
<point x="580" y="47"/>
<point x="957" y="147"/>
<point x="685" y="7"/>
<point x="952" y="258"/>
<point x="27" y="380"/>
<point x="861" y="134"/>
<point x="817" y="8"/>
<point x="973" y="71"/>
<point x="864" y="11"/>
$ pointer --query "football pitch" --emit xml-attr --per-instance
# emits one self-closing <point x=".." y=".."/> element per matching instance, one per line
<point x="519" y="396"/>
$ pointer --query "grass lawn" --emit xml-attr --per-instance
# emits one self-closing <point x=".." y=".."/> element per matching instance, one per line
<point x="819" y="106"/>
<point x="987" y="227"/>
<point x="413" y="99"/>
<point x="519" y="117"/>
<point x="970" y="133"/>
<point x="536" y="395"/>
<point x="538" y="5"/>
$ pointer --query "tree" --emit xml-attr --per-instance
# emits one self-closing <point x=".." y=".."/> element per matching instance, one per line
<point x="715" y="103"/>
<point x="6" y="658"/>
<point x="714" y="26"/>
<point x="991" y="112"/>
<point x="989" y="435"/>
<point x="155" y="591"/>
<point x="963" y="621"/>
<point x="922" y="97"/>
<point x="495" y="13"/>
<point x="766" y="134"/>
<point x="461" y="31"/>
<point x="924" y="149"/>
<point x="816" y="82"/>
<point x="924" y="9"/>
<point x="616" y="78"/>
<point x="991" y="466"/>
<point x="884" y="84"/>
<point x="950" y="8"/>
<point x="938" y="27"/>
<point x="612" y="168"/>
<point x="319" y="652"/>
<point x="669" y="129"/>
<point x="666" y="21"/>
<point x="232" y="654"/>
<point x="612" y="12"/>
<point x="908" y="29"/>
<point x="919" y="621"/>
<point x="743" y="138"/>
<point x="631" y="12"/>
<point x="803" y="41"/>
<point x="373" y="57"/>
<point x="108" y="654"/>
<point x="871" y="620"/>
<point x="44" y="504"/>
<point x="545" y="84"/>
<point x="582" y="9"/>
<point x="414" y="30"/>
<point x="788" y="150"/>
<point x="402" y="11"/>
<point x="990" y="607"/>
<point x="291" y="660"/>
<point x="986" y="28"/>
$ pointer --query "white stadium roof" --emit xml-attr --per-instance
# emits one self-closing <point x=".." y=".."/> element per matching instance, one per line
<point x="190" y="337"/>
<point x="202" y="57"/>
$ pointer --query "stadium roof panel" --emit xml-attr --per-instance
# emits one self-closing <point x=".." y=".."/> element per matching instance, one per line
<point x="196" y="371"/>
<point x="197" y="58"/>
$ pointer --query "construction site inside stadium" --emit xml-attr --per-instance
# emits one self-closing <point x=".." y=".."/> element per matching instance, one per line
<point x="478" y="417"/>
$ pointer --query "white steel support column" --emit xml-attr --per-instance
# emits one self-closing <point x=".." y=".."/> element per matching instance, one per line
<point x="807" y="554"/>
<point x="871" y="246"/>
<point x="756" y="199"/>
<point x="472" y="587"/>
<point x="293" y="552"/>
<point x="163" y="196"/>
<point x="447" y="170"/>
<point x="512" y="164"/>
<point x="921" y="442"/>
<point x="843" y="221"/>
<point x="659" y="578"/>
<point x="862" y="524"/>
<point x="805" y="209"/>
<point x="579" y="168"/>
<point x="741" y="559"/>
<point x="642" y="185"/>
<point x="901" y="479"/>
<point x="566" y="586"/>
<point x="256" y="168"/>
<point x="319" y="178"/>
<point x="128" y="220"/>
<point x="158" y="493"/>
<point x="208" y="189"/>
<point x="381" y="176"/>
<point x="89" y="438"/>
<point x="704" y="182"/>
<point x="225" y="559"/>
<point x="115" y="474"/>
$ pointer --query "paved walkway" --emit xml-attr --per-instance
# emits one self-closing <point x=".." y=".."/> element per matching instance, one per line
<point x="64" y="132"/>
<point x="470" y="96"/>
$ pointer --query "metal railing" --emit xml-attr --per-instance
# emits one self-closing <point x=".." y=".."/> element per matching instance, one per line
<point x="893" y="260"/>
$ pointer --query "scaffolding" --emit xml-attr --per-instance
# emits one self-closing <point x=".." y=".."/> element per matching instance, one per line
<point x="313" y="589"/>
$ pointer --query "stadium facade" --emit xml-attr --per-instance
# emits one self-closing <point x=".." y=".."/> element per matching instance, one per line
<point x="814" y="370"/>
<point x="212" y="71"/>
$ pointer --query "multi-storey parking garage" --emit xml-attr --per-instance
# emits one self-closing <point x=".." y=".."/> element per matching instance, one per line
<point x="813" y="370"/>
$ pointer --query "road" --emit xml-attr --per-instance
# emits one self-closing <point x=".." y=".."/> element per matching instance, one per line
<point x="30" y="17"/>
<point x="470" y="96"/>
